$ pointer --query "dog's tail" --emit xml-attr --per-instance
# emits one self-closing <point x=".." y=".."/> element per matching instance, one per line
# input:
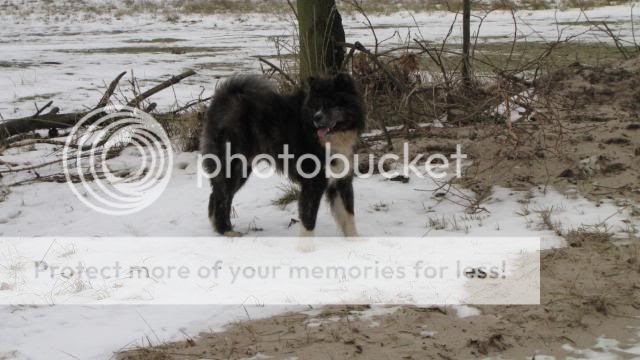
<point x="232" y="99"/>
<point x="244" y="85"/>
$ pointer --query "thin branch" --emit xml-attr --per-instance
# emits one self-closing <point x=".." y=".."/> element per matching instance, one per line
<point x="156" y="89"/>
<point x="110" y="90"/>
<point x="276" y="68"/>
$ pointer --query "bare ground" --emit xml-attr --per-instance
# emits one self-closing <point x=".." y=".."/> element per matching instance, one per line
<point x="589" y="290"/>
<point x="584" y="137"/>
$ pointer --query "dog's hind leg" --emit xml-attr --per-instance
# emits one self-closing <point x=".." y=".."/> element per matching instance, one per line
<point x="308" y="204"/>
<point x="220" y="206"/>
<point x="340" y="196"/>
<point x="221" y="201"/>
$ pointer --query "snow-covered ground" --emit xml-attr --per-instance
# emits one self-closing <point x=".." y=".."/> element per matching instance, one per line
<point x="70" y="59"/>
<point x="384" y="208"/>
<point x="95" y="332"/>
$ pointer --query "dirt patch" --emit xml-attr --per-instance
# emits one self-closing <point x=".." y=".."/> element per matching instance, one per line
<point x="583" y="137"/>
<point x="598" y="160"/>
<point x="588" y="290"/>
<point x="579" y="133"/>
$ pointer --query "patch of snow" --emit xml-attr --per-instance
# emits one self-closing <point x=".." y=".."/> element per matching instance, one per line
<point x="463" y="311"/>
<point x="56" y="332"/>
<point x="428" y="334"/>
<point x="375" y="310"/>
<point x="605" y="348"/>
<point x="258" y="356"/>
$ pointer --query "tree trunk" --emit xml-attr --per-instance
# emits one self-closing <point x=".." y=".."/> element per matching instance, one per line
<point x="466" y="43"/>
<point x="320" y="30"/>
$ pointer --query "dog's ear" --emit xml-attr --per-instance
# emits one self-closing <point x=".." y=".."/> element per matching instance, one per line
<point x="344" y="82"/>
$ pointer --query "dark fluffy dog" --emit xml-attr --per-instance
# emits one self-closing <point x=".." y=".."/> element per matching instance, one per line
<point x="249" y="115"/>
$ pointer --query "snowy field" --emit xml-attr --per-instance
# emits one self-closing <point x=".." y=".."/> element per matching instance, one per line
<point x="71" y="59"/>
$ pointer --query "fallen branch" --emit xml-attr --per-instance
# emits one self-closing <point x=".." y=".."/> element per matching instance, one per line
<point x="191" y="104"/>
<point x="54" y="120"/>
<point x="39" y="111"/>
<point x="110" y="90"/>
<point x="48" y="121"/>
<point x="30" y="142"/>
<point x="156" y="89"/>
<point x="111" y="154"/>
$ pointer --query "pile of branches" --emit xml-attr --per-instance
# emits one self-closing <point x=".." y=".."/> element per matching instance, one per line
<point x="419" y="89"/>
<point x="402" y="95"/>
<point x="419" y="84"/>
<point x="48" y="117"/>
<point x="182" y="122"/>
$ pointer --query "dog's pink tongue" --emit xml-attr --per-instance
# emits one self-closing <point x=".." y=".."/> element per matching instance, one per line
<point x="322" y="132"/>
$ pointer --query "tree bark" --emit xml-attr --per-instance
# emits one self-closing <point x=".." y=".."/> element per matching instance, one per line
<point x="466" y="43"/>
<point x="320" y="32"/>
<point x="48" y="121"/>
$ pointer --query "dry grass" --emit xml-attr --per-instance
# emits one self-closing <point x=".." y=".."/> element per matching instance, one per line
<point x="186" y="128"/>
<point x="455" y="223"/>
<point x="437" y="223"/>
<point x="546" y="222"/>
<point x="576" y="237"/>
<point x="4" y="193"/>
<point x="290" y="194"/>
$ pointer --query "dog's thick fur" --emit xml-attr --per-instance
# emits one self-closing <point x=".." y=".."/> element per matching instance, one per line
<point x="250" y="115"/>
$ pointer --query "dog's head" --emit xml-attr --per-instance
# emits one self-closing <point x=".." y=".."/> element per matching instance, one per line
<point x="334" y="104"/>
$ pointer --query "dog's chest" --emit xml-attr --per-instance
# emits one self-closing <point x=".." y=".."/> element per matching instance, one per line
<point x="342" y="143"/>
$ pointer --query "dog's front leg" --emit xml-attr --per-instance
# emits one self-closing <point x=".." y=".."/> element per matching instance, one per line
<point x="340" y="196"/>
<point x="308" y="204"/>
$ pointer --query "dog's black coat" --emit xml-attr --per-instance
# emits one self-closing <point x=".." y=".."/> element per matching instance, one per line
<point x="255" y="119"/>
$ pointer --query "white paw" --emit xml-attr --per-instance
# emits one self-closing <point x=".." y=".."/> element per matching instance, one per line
<point x="350" y="232"/>
<point x="306" y="244"/>
<point x="353" y="237"/>
<point x="306" y="233"/>
<point x="233" y="234"/>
